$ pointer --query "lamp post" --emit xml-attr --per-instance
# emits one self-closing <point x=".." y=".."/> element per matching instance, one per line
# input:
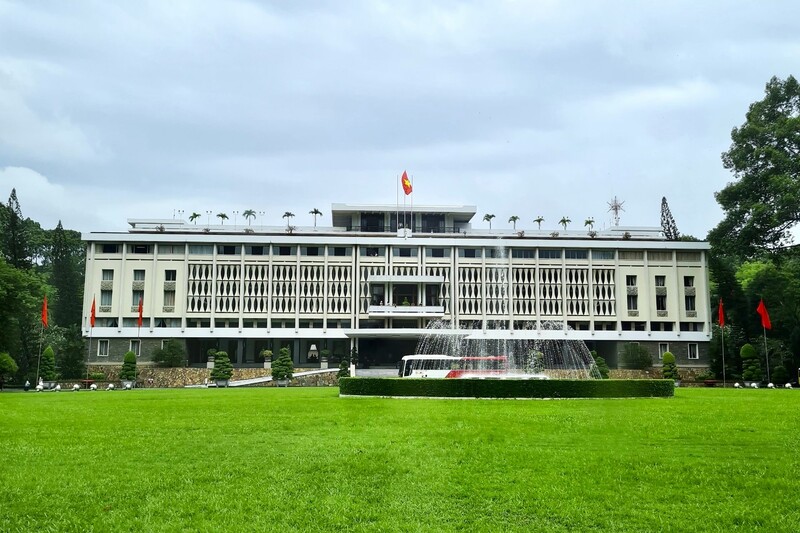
<point x="180" y="214"/>
<point x="235" y="214"/>
<point x="261" y="218"/>
<point x="208" y="219"/>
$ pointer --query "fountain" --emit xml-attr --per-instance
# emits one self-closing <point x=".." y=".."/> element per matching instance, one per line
<point x="529" y="354"/>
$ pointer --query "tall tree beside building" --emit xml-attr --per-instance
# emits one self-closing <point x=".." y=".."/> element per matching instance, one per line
<point x="16" y="248"/>
<point x="66" y="258"/>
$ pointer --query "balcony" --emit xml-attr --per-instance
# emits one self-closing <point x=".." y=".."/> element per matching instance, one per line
<point x="413" y="311"/>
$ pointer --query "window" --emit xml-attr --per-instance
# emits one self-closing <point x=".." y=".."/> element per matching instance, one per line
<point x="659" y="256"/>
<point x="136" y="346"/>
<point x="523" y="253"/>
<point x="661" y="302"/>
<point x="372" y="251"/>
<point x="436" y="252"/>
<point x="630" y="281"/>
<point x="108" y="275"/>
<point x="549" y="254"/>
<point x="285" y="250"/>
<point x="471" y="253"/>
<point x="254" y="250"/>
<point x="576" y="254"/>
<point x="312" y="251"/>
<point x="201" y="249"/>
<point x="689" y="256"/>
<point x="688" y="281"/>
<point x="225" y="249"/>
<point x="138" y="275"/>
<point x="171" y="275"/>
<point x="631" y="255"/>
<point x="139" y="248"/>
<point x="602" y="254"/>
<point x="102" y="348"/>
<point x="136" y="296"/>
<point x="341" y="251"/>
<point x="633" y="302"/>
<point x="169" y="299"/>
<point x="171" y="249"/>
<point x="405" y="252"/>
<point x="661" y="281"/>
<point x="690" y="303"/>
<point x="109" y="248"/>
<point x="663" y="347"/>
<point x="692" y="351"/>
<point x="105" y="297"/>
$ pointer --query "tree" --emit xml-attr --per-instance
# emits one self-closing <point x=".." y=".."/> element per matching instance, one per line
<point x="635" y="356"/>
<point x="539" y="221"/>
<point x="760" y="206"/>
<point x="513" y="220"/>
<point x="223" y="369"/>
<point x="47" y="367"/>
<point x="317" y="213"/>
<point x="601" y="364"/>
<point x="589" y="222"/>
<point x="222" y="217"/>
<point x="71" y="355"/>
<point x="668" y="367"/>
<point x="344" y="367"/>
<point x="288" y="216"/>
<point x="283" y="368"/>
<point x="128" y="372"/>
<point x="488" y="218"/>
<point x="67" y="259"/>
<point x="193" y="217"/>
<point x="15" y="237"/>
<point x="171" y="355"/>
<point x="668" y="225"/>
<point x="751" y="366"/>
<point x="564" y="222"/>
<point x="8" y="367"/>
<point x="248" y="214"/>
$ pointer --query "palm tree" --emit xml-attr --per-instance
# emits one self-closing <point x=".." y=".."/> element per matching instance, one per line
<point x="248" y="214"/>
<point x="193" y="217"/>
<point x="539" y="221"/>
<point x="564" y="221"/>
<point x="589" y="222"/>
<point x="222" y="217"/>
<point x="317" y="213"/>
<point x="488" y="218"/>
<point x="513" y="220"/>
<point x="288" y="216"/>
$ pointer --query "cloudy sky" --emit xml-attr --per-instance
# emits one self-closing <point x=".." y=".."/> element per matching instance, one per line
<point x="117" y="110"/>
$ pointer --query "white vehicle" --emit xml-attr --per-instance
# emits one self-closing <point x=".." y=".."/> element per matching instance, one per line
<point x="448" y="366"/>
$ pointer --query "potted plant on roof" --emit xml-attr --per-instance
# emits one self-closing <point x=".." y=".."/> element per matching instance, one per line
<point x="267" y="355"/>
<point x="223" y="369"/>
<point x="128" y="373"/>
<point x="282" y="368"/>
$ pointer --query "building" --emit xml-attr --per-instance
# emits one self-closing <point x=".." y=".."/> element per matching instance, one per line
<point x="376" y="279"/>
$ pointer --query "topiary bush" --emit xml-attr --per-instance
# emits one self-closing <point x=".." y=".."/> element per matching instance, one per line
<point x="669" y="369"/>
<point x="223" y="369"/>
<point x="128" y="372"/>
<point x="636" y="357"/>
<point x="344" y="367"/>
<point x="780" y="375"/>
<point x="751" y="366"/>
<point x="282" y="367"/>
<point x="47" y="368"/>
<point x="507" y="388"/>
<point x="171" y="355"/>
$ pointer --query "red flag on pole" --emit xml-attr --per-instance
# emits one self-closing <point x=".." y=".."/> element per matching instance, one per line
<point x="406" y="183"/>
<point x="721" y="315"/>
<point x="91" y="317"/>
<point x="140" y="311"/>
<point x="44" y="311"/>
<point x="762" y="310"/>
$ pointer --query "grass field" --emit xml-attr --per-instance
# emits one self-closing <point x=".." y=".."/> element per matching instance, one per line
<point x="304" y="459"/>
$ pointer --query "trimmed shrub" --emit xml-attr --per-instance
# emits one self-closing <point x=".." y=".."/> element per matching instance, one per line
<point x="47" y="368"/>
<point x="506" y="388"/>
<point x="171" y="355"/>
<point x="283" y="368"/>
<point x="780" y="375"/>
<point x="223" y="369"/>
<point x="751" y="366"/>
<point x="636" y="357"/>
<point x="669" y="369"/>
<point x="344" y="367"/>
<point x="8" y="367"/>
<point x="601" y="365"/>
<point x="128" y="372"/>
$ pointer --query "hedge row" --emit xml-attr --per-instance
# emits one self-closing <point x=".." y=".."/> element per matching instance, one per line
<point x="507" y="388"/>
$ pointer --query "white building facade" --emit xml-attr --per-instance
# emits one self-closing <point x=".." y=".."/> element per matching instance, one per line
<point x="378" y="277"/>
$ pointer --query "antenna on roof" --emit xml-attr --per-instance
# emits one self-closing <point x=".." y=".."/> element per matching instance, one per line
<point x="615" y="206"/>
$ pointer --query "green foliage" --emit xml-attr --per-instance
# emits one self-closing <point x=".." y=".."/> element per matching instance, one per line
<point x="283" y="368"/>
<point x="506" y="388"/>
<point x="223" y="369"/>
<point x="15" y="234"/>
<point x="668" y="368"/>
<point x="751" y="366"/>
<point x="266" y="354"/>
<point x="8" y="367"/>
<point x="344" y="367"/>
<point x="128" y="372"/>
<point x="761" y="205"/>
<point x="67" y="253"/>
<point x="601" y="364"/>
<point x="71" y="356"/>
<point x="97" y="376"/>
<point x="171" y="355"/>
<point x="47" y="368"/>
<point x="636" y="357"/>
<point x="780" y="375"/>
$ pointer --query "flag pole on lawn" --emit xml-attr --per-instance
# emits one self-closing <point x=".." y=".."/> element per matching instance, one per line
<point x="721" y="320"/>
<point x="41" y="336"/>
<point x="765" y="325"/>
<point x="89" y="348"/>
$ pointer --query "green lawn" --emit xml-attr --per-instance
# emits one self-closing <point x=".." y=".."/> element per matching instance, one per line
<point x="304" y="459"/>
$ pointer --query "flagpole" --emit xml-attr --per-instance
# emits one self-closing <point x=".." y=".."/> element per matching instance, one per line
<point x="412" y="205"/>
<point x="396" y="205"/>
<point x="724" y="381"/>
<point x="766" y="351"/>
<point x="38" y="364"/>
